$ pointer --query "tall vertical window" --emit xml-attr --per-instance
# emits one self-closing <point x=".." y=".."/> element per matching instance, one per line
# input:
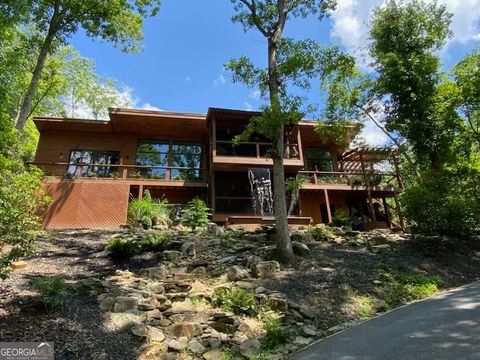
<point x="319" y="159"/>
<point x="175" y="161"/>
<point x="93" y="163"/>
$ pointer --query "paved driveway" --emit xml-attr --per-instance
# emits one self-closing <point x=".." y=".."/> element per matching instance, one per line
<point x="446" y="326"/>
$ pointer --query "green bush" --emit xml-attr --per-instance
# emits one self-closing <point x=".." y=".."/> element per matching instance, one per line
<point x="274" y="335"/>
<point x="52" y="291"/>
<point x="236" y="300"/>
<point x="341" y="218"/>
<point x="147" y="212"/>
<point x="119" y="248"/>
<point x="195" y="214"/>
<point x="320" y="233"/>
<point x="156" y="241"/>
<point x="443" y="203"/>
<point x="21" y="196"/>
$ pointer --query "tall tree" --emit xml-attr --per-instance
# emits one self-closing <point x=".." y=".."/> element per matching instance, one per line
<point x="118" y="21"/>
<point x="288" y="61"/>
<point x="405" y="39"/>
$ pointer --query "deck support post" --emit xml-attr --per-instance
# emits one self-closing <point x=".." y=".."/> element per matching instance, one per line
<point x="140" y="192"/>
<point x="327" y="203"/>
<point x="399" y="212"/>
<point x="387" y="213"/>
<point x="367" y="185"/>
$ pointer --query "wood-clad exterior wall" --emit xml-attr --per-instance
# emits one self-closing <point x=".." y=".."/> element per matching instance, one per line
<point x="102" y="203"/>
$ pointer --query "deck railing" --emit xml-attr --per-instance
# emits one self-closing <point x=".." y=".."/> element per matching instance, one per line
<point x="352" y="178"/>
<point x="122" y="171"/>
<point x="253" y="149"/>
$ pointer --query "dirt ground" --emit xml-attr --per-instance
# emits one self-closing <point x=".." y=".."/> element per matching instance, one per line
<point x="324" y="280"/>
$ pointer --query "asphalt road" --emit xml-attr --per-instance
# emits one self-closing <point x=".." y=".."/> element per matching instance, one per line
<point x="446" y="326"/>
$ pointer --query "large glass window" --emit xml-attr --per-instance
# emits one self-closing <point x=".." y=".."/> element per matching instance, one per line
<point x="97" y="159"/>
<point x="181" y="160"/>
<point x="319" y="159"/>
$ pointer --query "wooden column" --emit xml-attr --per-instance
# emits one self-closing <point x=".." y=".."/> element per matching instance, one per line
<point x="327" y="202"/>
<point x="387" y="213"/>
<point x="399" y="212"/>
<point x="367" y="185"/>
<point x="140" y="192"/>
<point x="397" y="173"/>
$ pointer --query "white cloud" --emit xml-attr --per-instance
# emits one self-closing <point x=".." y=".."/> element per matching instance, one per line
<point x="186" y="79"/>
<point x="148" y="106"/>
<point x="248" y="106"/>
<point x="372" y="135"/>
<point x="255" y="95"/>
<point x="350" y="21"/>
<point x="220" y="80"/>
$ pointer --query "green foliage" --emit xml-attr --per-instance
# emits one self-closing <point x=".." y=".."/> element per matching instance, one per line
<point x="444" y="203"/>
<point x="147" y="212"/>
<point x="341" y="218"/>
<point x="366" y="307"/>
<point x="21" y="197"/>
<point x="52" y="290"/>
<point x="156" y="241"/>
<point x="320" y="233"/>
<point x="121" y="249"/>
<point x="274" y="334"/>
<point x="195" y="214"/>
<point x="237" y="300"/>
<point x="398" y="287"/>
<point x="292" y="185"/>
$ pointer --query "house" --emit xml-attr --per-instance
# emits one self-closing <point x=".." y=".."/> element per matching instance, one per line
<point x="94" y="167"/>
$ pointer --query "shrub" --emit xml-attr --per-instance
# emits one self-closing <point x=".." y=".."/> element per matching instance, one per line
<point x="21" y="196"/>
<point x="147" y="212"/>
<point x="320" y="233"/>
<point x="236" y="300"/>
<point x="52" y="291"/>
<point x="156" y="241"/>
<point x="341" y="218"/>
<point x="119" y="248"/>
<point x="195" y="214"/>
<point x="274" y="335"/>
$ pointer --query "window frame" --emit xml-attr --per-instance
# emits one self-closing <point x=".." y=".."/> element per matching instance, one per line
<point x="86" y="167"/>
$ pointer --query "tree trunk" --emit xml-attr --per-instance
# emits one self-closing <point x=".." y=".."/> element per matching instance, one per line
<point x="26" y="105"/>
<point x="284" y="251"/>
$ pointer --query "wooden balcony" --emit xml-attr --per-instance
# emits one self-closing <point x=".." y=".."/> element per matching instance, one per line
<point x="227" y="155"/>
<point x="132" y="174"/>
<point x="351" y="180"/>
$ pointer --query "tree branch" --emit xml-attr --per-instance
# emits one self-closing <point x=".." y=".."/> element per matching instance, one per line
<point x="256" y="20"/>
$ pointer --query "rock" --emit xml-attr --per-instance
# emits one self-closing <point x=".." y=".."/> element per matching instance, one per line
<point x="247" y="285"/>
<point x="121" y="321"/>
<point x="300" y="249"/>
<point x="17" y="265"/>
<point x="381" y="248"/>
<point x="146" y="306"/>
<point x="155" y="287"/>
<point x="188" y="329"/>
<point x="171" y="255"/>
<point x="250" y="348"/>
<point x="252" y="261"/>
<point x="158" y="272"/>
<point x="188" y="249"/>
<point x="154" y="314"/>
<point x="278" y="304"/>
<point x="352" y="233"/>
<point x="297" y="237"/>
<point x="266" y="269"/>
<point x="300" y="340"/>
<point x="308" y="331"/>
<point x="196" y="347"/>
<point x="260" y="290"/>
<point x="236" y="273"/>
<point x="307" y="311"/>
<point x="149" y="332"/>
<point x="178" y="344"/>
<point x="106" y="303"/>
<point x="214" y="354"/>
<point x="125" y="304"/>
<point x="226" y="259"/>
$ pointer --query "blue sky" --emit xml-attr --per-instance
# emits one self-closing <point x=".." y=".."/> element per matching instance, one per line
<point x="187" y="43"/>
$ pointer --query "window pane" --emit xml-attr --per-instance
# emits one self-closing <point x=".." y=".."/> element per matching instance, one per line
<point x="187" y="148"/>
<point x="86" y="157"/>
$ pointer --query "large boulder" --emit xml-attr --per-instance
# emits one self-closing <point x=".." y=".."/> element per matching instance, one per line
<point x="188" y="329"/>
<point x="300" y="249"/>
<point x="157" y="272"/>
<point x="236" y="273"/>
<point x="149" y="332"/>
<point x="125" y="304"/>
<point x="171" y="255"/>
<point x="266" y="269"/>
<point x="250" y="348"/>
